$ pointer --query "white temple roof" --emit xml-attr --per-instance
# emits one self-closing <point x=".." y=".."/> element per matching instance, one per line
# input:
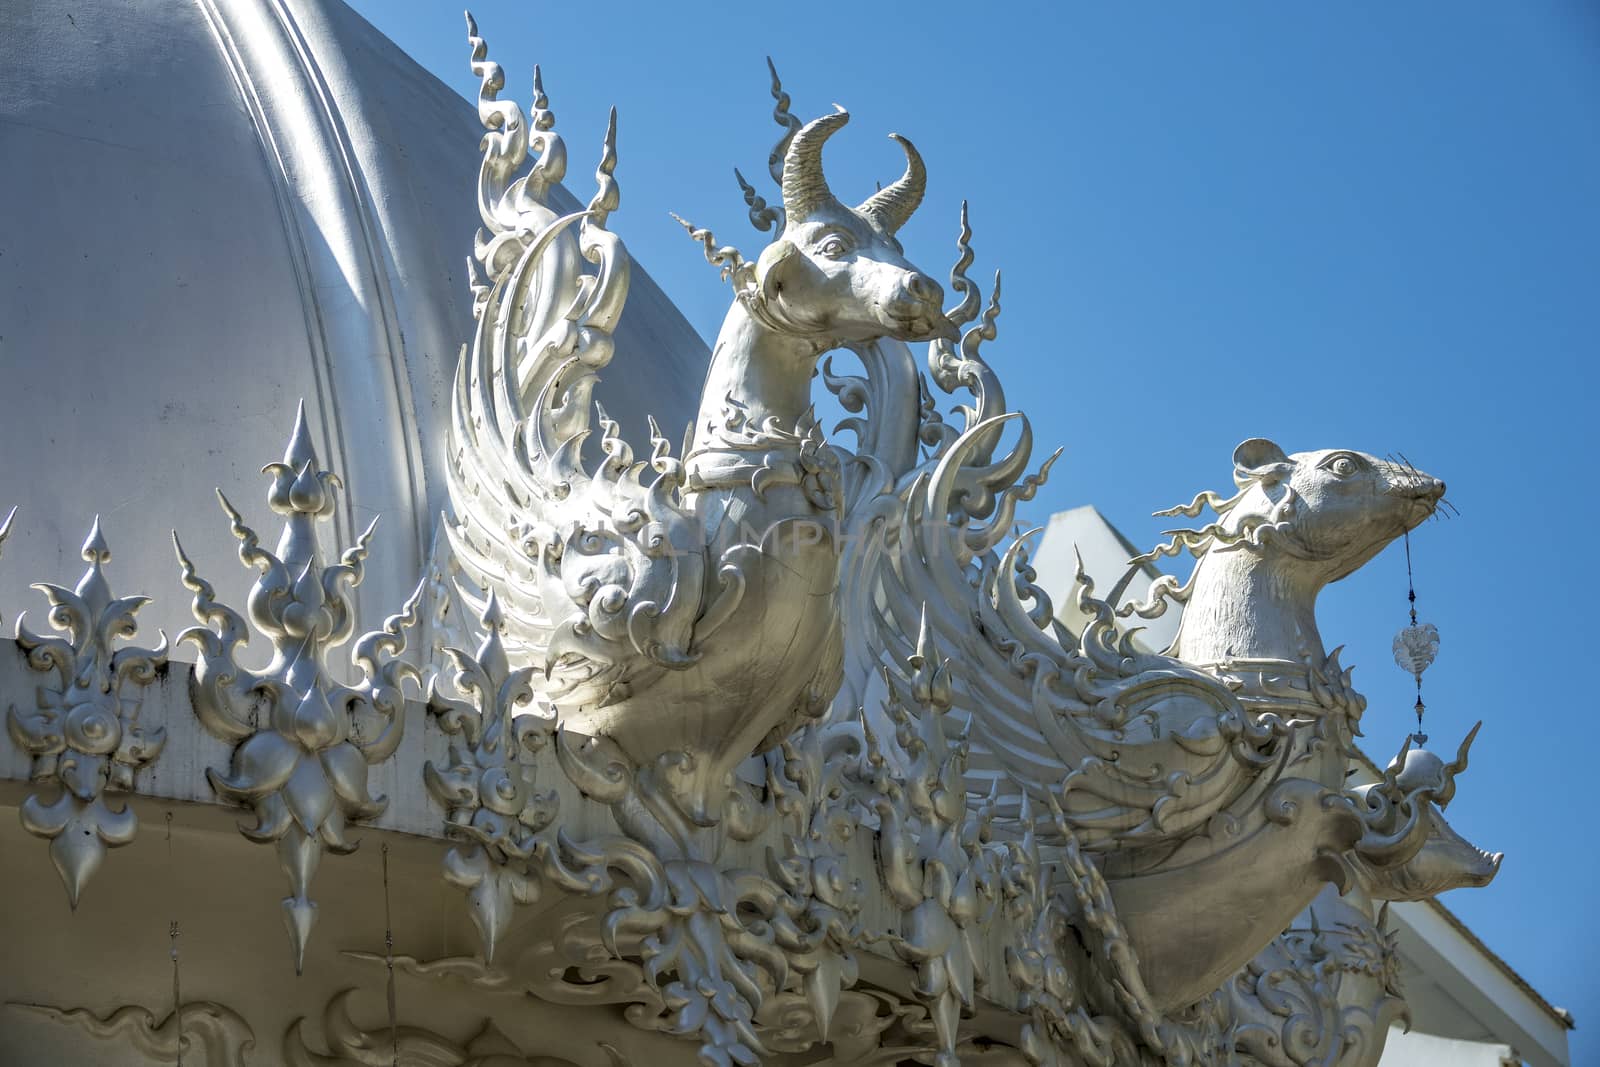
<point x="212" y="210"/>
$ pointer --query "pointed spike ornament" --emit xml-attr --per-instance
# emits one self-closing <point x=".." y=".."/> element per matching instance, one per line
<point x="763" y="216"/>
<point x="84" y="734"/>
<point x="607" y="196"/>
<point x="303" y="741"/>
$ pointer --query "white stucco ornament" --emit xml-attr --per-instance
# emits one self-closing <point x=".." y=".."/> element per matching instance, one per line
<point x="684" y="601"/>
<point x="84" y="732"/>
<point x="304" y="741"/>
<point x="767" y="749"/>
<point x="690" y="616"/>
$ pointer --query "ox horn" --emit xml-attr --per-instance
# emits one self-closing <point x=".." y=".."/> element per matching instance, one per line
<point x="804" y="187"/>
<point x="890" y="208"/>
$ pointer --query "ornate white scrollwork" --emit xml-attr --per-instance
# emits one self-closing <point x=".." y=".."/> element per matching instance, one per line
<point x="717" y="946"/>
<point x="349" y="1044"/>
<point x="1061" y="1031"/>
<point x="1163" y="773"/>
<point x="809" y="781"/>
<point x="1238" y="740"/>
<point x="218" y="1034"/>
<point x="303" y="741"/>
<point x="719" y="943"/>
<point x="84" y="733"/>
<point x="694" y="612"/>
<point x="706" y="723"/>
<point x="934" y="858"/>
<point x="870" y="1027"/>
<point x="1400" y="814"/>
<point x="1325" y="992"/>
<point x="488" y="786"/>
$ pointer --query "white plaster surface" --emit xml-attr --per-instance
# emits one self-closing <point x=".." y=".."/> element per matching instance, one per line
<point x="192" y="239"/>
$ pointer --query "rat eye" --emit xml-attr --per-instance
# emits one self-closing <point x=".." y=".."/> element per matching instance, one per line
<point x="1342" y="466"/>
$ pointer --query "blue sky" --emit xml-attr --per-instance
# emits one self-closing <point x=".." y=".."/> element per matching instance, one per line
<point x="1356" y="225"/>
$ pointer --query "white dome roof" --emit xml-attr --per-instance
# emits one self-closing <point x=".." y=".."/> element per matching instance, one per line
<point x="211" y="211"/>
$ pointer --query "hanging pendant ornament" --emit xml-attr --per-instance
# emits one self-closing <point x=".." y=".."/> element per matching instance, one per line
<point x="1416" y="646"/>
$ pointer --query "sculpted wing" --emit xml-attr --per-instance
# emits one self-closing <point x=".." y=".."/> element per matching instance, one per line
<point x="593" y="588"/>
<point x="1146" y="748"/>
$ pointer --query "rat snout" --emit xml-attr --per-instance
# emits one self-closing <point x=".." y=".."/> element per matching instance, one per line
<point x="1425" y="494"/>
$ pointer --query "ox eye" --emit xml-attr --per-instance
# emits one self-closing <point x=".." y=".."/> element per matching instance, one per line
<point x="1341" y="466"/>
<point x="834" y="246"/>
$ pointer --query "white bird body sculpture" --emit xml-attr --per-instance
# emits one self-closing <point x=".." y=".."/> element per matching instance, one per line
<point x="691" y="615"/>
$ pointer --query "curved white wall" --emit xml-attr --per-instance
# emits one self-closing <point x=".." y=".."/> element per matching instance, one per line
<point x="213" y="208"/>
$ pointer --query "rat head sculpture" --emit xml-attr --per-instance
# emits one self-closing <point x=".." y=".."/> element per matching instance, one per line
<point x="1297" y="523"/>
<point x="1334" y="509"/>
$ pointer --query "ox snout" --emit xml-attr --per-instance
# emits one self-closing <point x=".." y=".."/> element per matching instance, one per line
<point x="917" y="310"/>
<point x="1446" y="861"/>
<point x="924" y="289"/>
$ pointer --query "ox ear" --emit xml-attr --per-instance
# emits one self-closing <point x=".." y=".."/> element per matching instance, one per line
<point x="776" y="264"/>
<point x="1259" y="459"/>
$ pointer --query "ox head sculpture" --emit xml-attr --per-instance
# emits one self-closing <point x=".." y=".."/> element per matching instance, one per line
<point x="836" y="274"/>
<point x="1415" y="790"/>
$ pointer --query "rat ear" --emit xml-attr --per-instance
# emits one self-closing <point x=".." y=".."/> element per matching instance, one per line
<point x="1259" y="459"/>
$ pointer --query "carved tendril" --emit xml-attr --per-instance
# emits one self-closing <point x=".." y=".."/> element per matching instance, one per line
<point x="1254" y="532"/>
<point x="784" y="118"/>
<point x="962" y="366"/>
<point x="607" y="195"/>
<point x="728" y="259"/>
<point x="763" y="216"/>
